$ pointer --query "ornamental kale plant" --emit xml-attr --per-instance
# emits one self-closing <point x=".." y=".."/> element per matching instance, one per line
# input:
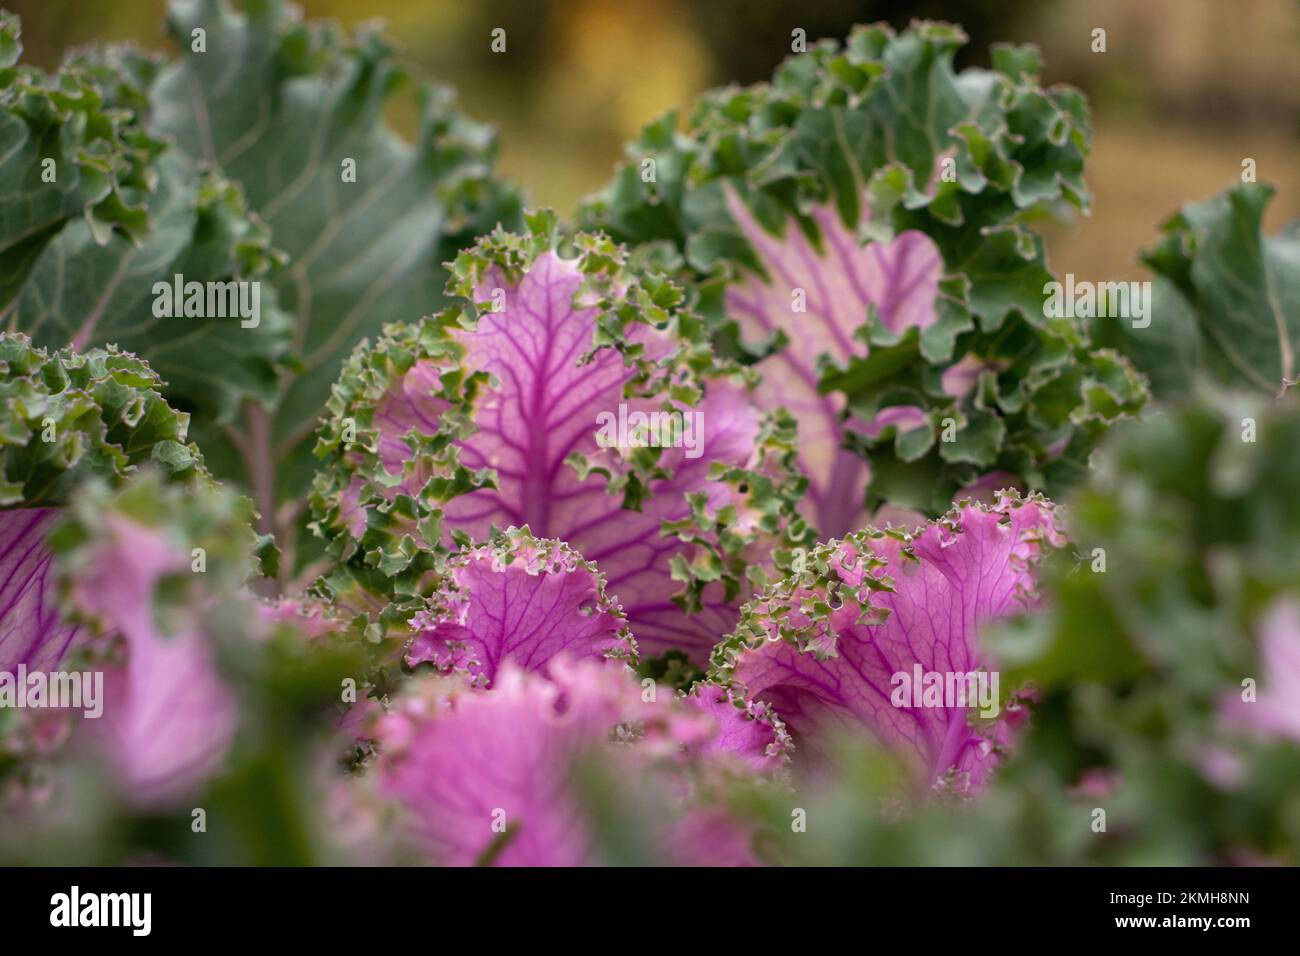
<point x="360" y="513"/>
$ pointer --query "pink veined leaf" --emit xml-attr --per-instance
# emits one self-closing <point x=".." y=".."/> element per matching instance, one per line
<point x="825" y="653"/>
<point x="32" y="632"/>
<point x="519" y="600"/>
<point x="485" y="777"/>
<point x="168" y="719"/>
<point x="548" y="404"/>
<point x="837" y="283"/>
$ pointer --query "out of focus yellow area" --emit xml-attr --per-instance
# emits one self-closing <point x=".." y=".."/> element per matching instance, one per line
<point x="1184" y="91"/>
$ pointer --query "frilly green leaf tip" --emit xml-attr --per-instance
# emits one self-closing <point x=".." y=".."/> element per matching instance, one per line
<point x="67" y="416"/>
<point x="84" y="129"/>
<point x="122" y="72"/>
<point x="11" y="46"/>
<point x="403" y="539"/>
<point x="863" y="125"/>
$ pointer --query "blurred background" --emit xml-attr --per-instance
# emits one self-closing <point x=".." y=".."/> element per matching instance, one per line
<point x="1184" y="92"/>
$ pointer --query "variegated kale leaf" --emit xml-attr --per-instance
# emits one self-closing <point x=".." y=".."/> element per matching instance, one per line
<point x="66" y="416"/>
<point x="829" y="647"/>
<point x="66" y="154"/>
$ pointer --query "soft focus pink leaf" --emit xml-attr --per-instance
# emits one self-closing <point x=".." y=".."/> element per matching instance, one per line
<point x="489" y="775"/>
<point x="168" y="718"/>
<point x="486" y="776"/>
